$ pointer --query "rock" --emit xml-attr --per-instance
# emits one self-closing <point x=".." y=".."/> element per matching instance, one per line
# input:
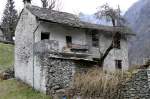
<point x="60" y="91"/>
<point x="56" y="87"/>
<point x="7" y="74"/>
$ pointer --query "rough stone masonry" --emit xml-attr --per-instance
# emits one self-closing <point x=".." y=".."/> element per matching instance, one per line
<point x="138" y="87"/>
<point x="58" y="73"/>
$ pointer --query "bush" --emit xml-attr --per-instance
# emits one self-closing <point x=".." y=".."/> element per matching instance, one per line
<point x="98" y="83"/>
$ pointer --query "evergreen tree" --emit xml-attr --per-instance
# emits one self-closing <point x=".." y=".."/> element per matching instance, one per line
<point x="9" y="20"/>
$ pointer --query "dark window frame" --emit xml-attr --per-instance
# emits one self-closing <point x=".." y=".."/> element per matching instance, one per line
<point x="45" y="35"/>
<point x="118" y="64"/>
<point x="95" y="39"/>
<point x="68" y="40"/>
<point x="117" y="41"/>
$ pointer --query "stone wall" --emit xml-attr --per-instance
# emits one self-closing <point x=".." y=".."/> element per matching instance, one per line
<point x="137" y="87"/>
<point x="59" y="32"/>
<point x="58" y="73"/>
<point x="115" y="54"/>
<point x="24" y="47"/>
<point x="148" y="74"/>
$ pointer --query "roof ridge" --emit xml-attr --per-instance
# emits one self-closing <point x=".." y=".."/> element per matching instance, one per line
<point x="51" y="10"/>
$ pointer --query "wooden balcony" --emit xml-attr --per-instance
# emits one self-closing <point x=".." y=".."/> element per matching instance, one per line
<point x="78" y="47"/>
<point x="69" y="51"/>
<point x="75" y="50"/>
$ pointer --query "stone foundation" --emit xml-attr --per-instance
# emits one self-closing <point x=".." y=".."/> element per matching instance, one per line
<point x="58" y="73"/>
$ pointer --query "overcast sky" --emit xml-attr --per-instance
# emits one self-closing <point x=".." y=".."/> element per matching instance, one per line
<point x="76" y="6"/>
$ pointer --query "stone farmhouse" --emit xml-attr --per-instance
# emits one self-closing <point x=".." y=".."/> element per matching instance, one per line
<point x="50" y="46"/>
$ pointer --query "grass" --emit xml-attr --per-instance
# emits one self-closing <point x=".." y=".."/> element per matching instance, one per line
<point x="97" y="83"/>
<point x="6" y="56"/>
<point x="12" y="89"/>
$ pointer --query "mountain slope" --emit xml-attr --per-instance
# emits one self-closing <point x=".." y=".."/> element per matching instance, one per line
<point x="138" y="17"/>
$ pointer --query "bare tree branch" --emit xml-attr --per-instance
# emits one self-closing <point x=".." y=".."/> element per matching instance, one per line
<point x="110" y="14"/>
<point x="51" y="4"/>
<point x="114" y="16"/>
<point x="44" y="3"/>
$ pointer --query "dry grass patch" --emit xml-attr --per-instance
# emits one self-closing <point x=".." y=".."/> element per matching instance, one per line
<point x="98" y="83"/>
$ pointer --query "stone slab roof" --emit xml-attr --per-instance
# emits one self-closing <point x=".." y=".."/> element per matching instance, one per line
<point x="71" y="20"/>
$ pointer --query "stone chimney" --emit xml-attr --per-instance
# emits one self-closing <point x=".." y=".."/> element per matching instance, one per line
<point x="27" y="2"/>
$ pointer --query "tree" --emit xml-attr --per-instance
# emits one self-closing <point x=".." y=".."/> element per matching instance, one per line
<point x="9" y="20"/>
<point x="51" y="4"/>
<point x="114" y="16"/>
<point x="44" y="3"/>
<point x="110" y="14"/>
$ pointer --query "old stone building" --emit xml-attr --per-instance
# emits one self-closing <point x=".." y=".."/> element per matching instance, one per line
<point x="50" y="46"/>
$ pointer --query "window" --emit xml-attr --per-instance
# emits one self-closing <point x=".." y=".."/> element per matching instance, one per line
<point x="95" y="39"/>
<point x="119" y="45"/>
<point x="68" y="39"/>
<point x="45" y="35"/>
<point x="117" y="39"/>
<point x="118" y="64"/>
<point x="96" y="59"/>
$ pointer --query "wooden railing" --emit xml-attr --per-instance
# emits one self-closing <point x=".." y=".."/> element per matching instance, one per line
<point x="76" y="49"/>
<point x="78" y="46"/>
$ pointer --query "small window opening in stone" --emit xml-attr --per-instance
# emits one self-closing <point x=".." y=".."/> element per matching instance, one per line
<point x="95" y="39"/>
<point x="68" y="40"/>
<point x="118" y="64"/>
<point x="96" y="59"/>
<point x="45" y="36"/>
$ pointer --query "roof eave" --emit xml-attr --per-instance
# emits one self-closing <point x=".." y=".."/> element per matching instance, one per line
<point x="113" y="30"/>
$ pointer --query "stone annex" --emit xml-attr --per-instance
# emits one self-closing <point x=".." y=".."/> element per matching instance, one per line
<point x="50" y="46"/>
